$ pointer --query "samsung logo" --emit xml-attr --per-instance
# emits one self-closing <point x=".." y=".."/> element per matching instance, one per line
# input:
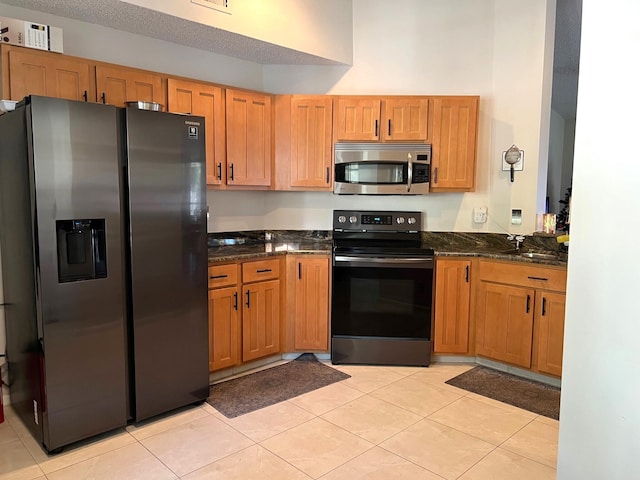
<point x="187" y="122"/>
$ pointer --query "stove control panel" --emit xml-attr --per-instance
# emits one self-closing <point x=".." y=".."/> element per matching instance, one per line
<point x="376" y="221"/>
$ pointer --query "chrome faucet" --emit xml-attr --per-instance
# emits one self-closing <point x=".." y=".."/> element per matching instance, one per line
<point x="519" y="239"/>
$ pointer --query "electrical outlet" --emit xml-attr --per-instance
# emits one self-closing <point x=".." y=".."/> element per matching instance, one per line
<point x="479" y="214"/>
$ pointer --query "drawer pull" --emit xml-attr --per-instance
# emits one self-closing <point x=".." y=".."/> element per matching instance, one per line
<point x="264" y="270"/>
<point x="528" y="302"/>
<point x="538" y="278"/>
<point x="213" y="277"/>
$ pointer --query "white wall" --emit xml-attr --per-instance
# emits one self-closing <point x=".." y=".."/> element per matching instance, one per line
<point x="493" y="48"/>
<point x="599" y="412"/>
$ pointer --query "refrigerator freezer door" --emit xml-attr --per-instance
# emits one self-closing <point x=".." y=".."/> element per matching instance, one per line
<point x="168" y="235"/>
<point x="75" y="151"/>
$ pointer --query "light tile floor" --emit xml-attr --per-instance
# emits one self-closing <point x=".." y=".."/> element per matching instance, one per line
<point x="382" y="423"/>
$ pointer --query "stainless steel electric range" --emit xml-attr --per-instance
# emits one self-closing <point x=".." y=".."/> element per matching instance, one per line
<point x="382" y="289"/>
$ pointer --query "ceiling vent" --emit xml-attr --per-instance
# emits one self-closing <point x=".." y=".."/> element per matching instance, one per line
<point x="220" y="5"/>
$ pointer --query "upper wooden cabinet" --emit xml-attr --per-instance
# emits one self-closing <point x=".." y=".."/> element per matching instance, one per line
<point x="117" y="85"/>
<point x="452" y="306"/>
<point x="387" y="119"/>
<point x="303" y="159"/>
<point x="207" y="101"/>
<point x="248" y="122"/>
<point x="30" y="72"/>
<point x="404" y="119"/>
<point x="454" y="139"/>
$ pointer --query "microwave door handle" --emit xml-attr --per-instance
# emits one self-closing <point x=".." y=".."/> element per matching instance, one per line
<point x="409" y="172"/>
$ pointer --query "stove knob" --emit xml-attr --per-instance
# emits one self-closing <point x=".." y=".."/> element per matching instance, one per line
<point x="342" y="219"/>
<point x="353" y="219"/>
<point x="400" y="220"/>
<point x="412" y="220"/>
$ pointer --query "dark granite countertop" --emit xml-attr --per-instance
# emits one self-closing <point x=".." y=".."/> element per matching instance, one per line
<point x="233" y="246"/>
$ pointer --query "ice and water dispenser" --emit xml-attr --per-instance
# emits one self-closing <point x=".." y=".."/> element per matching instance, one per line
<point x="81" y="249"/>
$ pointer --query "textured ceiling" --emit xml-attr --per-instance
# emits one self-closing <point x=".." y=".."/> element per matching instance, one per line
<point x="151" y="23"/>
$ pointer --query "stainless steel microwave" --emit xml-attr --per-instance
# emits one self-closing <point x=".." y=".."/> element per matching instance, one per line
<point x="382" y="169"/>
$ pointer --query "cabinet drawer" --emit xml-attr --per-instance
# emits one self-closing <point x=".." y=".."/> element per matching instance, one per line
<point x="260" y="270"/>
<point x="223" y="275"/>
<point x="548" y="278"/>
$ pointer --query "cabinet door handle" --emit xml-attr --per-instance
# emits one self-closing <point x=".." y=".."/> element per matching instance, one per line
<point x="299" y="271"/>
<point x="231" y="167"/>
<point x="538" y="278"/>
<point x="389" y="127"/>
<point x="328" y="175"/>
<point x="264" y="270"/>
<point x="220" y="171"/>
<point x="235" y="298"/>
<point x="528" y="302"/>
<point x="544" y="306"/>
<point x="103" y="97"/>
<point x="466" y="274"/>
<point x="213" y="277"/>
<point x="435" y="175"/>
<point x="248" y="299"/>
<point x="85" y="96"/>
<point x="376" y="131"/>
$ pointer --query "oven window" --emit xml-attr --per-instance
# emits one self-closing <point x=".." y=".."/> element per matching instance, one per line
<point x="382" y="302"/>
<point x="372" y="173"/>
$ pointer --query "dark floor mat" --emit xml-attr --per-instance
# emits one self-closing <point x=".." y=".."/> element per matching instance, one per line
<point x="519" y="392"/>
<point x="267" y="387"/>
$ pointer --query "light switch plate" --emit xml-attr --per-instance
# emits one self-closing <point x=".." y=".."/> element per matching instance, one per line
<point x="516" y="216"/>
<point x="479" y="214"/>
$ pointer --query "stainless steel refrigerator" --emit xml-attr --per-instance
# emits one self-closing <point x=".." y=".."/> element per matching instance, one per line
<point x="104" y="258"/>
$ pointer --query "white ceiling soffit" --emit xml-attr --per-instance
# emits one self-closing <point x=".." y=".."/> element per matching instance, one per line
<point x="151" y="23"/>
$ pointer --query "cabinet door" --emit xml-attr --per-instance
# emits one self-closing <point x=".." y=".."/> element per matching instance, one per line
<point x="453" y="161"/>
<point x="404" y="119"/>
<point x="207" y="101"/>
<point x="505" y="323"/>
<point x="452" y="306"/>
<point x="50" y="75"/>
<point x="311" y="142"/>
<point x="117" y="85"/>
<point x="224" y="328"/>
<point x="550" y="317"/>
<point x="260" y="319"/>
<point x="311" y="322"/>
<point x="248" y="122"/>
<point x="357" y="118"/>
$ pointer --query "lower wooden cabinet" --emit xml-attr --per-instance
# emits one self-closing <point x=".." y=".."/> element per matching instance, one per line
<point x="520" y="314"/>
<point x="307" y="316"/>
<point x="505" y="323"/>
<point x="224" y="328"/>
<point x="452" y="306"/>
<point x="260" y="319"/>
<point x="550" y="332"/>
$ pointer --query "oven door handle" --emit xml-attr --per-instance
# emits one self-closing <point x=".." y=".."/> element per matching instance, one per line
<point x="386" y="262"/>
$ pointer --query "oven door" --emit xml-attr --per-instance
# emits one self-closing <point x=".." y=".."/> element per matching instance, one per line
<point x="386" y="297"/>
